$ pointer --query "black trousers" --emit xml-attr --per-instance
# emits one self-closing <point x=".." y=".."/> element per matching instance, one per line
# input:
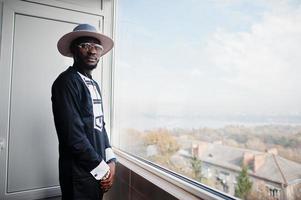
<point x="87" y="188"/>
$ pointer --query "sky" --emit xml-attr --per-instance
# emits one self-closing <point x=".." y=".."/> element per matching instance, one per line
<point x="229" y="60"/>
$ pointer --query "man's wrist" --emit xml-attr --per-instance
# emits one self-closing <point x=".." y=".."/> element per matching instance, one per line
<point x="113" y="160"/>
<point x="100" y="171"/>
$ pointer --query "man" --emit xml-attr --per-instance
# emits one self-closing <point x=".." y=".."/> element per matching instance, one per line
<point x="86" y="160"/>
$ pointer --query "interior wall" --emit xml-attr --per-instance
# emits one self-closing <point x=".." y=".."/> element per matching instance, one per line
<point x="129" y="185"/>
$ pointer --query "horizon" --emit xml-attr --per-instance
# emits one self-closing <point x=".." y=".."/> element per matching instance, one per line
<point x="241" y="61"/>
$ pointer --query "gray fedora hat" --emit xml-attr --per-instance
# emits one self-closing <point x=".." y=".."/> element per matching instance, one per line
<point x="83" y="30"/>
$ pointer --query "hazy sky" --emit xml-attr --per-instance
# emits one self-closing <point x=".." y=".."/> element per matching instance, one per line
<point x="209" y="57"/>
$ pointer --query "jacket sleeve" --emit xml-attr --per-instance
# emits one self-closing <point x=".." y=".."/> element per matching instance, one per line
<point x="71" y="130"/>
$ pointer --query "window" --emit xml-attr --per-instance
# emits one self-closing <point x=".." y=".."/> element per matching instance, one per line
<point x="203" y="87"/>
<point x="273" y="192"/>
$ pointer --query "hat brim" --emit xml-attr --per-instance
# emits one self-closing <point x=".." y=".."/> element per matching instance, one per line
<point x="64" y="43"/>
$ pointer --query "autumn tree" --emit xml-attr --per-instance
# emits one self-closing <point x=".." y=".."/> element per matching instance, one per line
<point x="163" y="139"/>
<point x="166" y="145"/>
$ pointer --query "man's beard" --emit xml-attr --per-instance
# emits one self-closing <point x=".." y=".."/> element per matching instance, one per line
<point x="85" y="65"/>
<point x="91" y="67"/>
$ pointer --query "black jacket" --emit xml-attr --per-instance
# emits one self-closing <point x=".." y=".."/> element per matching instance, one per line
<point x="83" y="144"/>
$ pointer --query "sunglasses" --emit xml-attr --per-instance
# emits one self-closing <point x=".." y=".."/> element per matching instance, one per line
<point x="90" y="46"/>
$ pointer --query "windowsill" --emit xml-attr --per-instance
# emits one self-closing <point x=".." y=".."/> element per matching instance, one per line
<point x="176" y="186"/>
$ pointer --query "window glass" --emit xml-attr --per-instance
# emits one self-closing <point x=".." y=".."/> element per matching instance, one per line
<point x="211" y="89"/>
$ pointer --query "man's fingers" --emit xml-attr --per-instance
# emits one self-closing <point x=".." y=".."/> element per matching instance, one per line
<point x="108" y="180"/>
<point x="107" y="183"/>
<point x="106" y="187"/>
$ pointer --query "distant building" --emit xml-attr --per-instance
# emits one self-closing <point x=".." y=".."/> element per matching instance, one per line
<point x="277" y="177"/>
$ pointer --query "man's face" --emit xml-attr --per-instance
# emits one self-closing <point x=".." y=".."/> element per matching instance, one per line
<point x="87" y="52"/>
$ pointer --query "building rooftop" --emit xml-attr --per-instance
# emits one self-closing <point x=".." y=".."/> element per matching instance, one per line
<point x="261" y="164"/>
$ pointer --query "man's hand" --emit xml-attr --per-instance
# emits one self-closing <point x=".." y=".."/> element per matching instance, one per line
<point x="107" y="183"/>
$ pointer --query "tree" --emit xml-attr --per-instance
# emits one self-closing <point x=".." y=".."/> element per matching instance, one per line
<point x="196" y="165"/>
<point x="166" y="145"/>
<point x="163" y="139"/>
<point x="244" y="184"/>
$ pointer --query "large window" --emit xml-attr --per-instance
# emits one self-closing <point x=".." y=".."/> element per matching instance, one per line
<point x="211" y="90"/>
